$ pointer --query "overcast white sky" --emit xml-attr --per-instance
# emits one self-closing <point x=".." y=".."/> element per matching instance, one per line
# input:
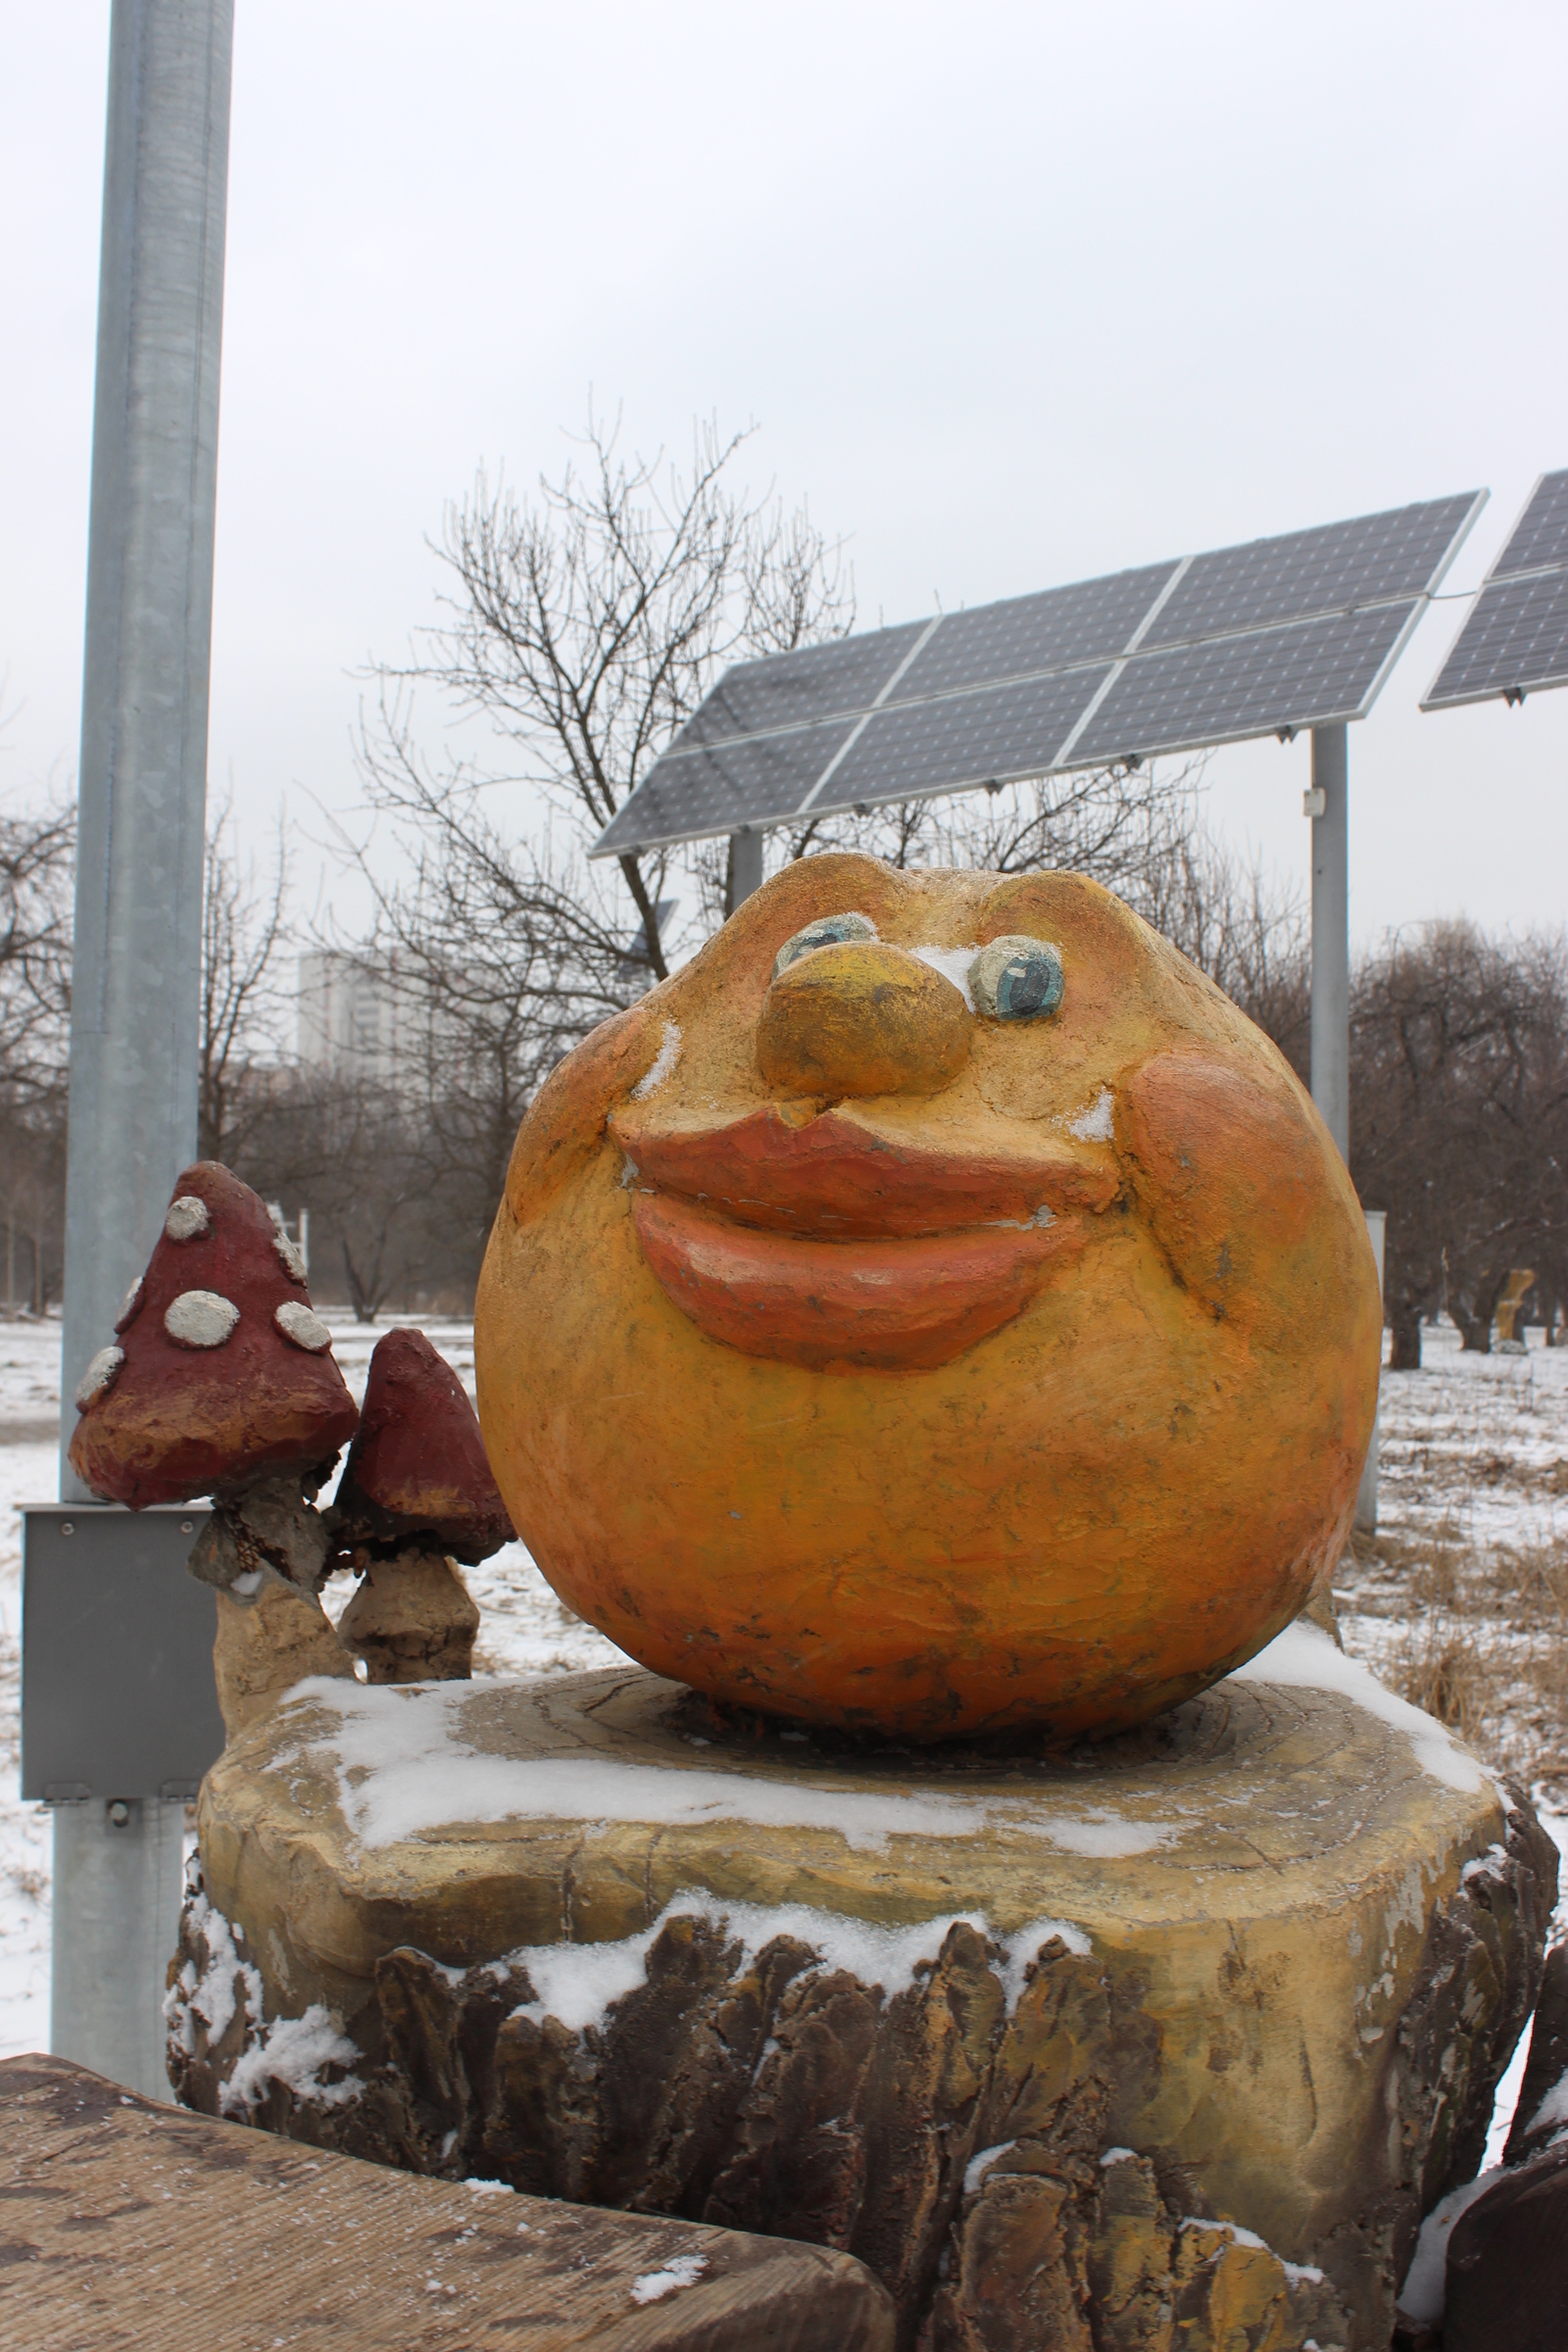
<point x="1015" y="294"/>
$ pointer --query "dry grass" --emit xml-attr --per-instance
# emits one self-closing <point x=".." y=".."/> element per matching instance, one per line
<point x="1476" y="1635"/>
<point x="1444" y="1671"/>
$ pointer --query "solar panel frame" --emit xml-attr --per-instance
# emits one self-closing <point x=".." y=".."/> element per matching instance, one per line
<point x="1381" y="569"/>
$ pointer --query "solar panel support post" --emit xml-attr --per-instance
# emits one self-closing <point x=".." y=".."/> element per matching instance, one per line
<point x="745" y="865"/>
<point x="1366" y="1499"/>
<point x="142" y="807"/>
<point x="1331" y="936"/>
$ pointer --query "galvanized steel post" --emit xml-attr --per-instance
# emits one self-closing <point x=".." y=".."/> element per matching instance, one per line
<point x="1331" y="997"/>
<point x="143" y="781"/>
<point x="1366" y="1499"/>
<point x="1331" y="935"/>
<point x="745" y="865"/>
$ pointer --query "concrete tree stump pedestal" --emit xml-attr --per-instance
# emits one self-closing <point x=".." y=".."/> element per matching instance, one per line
<point x="1166" y="2043"/>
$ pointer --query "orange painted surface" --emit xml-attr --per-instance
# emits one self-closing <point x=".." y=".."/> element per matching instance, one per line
<point x="1033" y="1390"/>
<point x="901" y="1304"/>
<point x="861" y="1019"/>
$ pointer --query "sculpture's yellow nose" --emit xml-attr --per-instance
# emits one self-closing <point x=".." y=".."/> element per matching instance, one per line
<point x="859" y="1018"/>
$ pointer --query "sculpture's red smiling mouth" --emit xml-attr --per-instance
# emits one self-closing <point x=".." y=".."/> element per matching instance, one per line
<point x="829" y="1244"/>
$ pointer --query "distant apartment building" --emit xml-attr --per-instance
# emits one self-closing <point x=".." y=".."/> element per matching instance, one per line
<point x="354" y="1021"/>
<point x="369" y="1017"/>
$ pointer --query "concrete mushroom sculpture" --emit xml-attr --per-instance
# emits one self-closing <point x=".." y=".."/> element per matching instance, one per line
<point x="417" y="1496"/>
<point x="220" y="1380"/>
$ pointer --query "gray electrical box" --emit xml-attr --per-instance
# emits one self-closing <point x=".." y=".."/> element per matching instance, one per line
<point x="117" y="1695"/>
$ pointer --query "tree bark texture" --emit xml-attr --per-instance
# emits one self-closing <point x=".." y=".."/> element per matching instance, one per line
<point x="1159" y="2046"/>
<point x="1404" y="1353"/>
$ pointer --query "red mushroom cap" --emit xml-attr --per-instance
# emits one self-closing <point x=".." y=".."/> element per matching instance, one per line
<point x="219" y="1371"/>
<point x="418" y="1465"/>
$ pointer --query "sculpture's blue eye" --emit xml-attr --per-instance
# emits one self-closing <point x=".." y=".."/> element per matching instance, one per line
<point x="1029" y="985"/>
<point x="826" y="932"/>
<point x="1017" y="979"/>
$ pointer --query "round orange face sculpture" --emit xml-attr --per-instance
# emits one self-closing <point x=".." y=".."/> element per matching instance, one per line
<point x="936" y="1309"/>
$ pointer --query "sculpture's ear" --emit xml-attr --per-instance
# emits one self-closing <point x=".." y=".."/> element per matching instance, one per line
<point x="1245" y="1193"/>
<point x="565" y="1119"/>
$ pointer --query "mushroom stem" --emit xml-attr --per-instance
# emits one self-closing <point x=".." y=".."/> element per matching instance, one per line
<point x="268" y="1523"/>
<point x="268" y="1640"/>
<point x="412" y="1619"/>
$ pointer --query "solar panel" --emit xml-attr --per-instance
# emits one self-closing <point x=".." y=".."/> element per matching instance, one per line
<point x="759" y="780"/>
<point x="817" y="681"/>
<point x="915" y="749"/>
<point x="1326" y="571"/>
<point x="1057" y="630"/>
<point x="1540" y="537"/>
<point x="1515" y="636"/>
<point x="1269" y="637"/>
<point x="1264" y="682"/>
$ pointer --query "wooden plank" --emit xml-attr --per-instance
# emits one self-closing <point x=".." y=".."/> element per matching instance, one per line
<point x="130" y="2225"/>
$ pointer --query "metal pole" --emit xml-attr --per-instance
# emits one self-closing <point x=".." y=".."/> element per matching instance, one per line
<point x="143" y="783"/>
<point x="1331" y="935"/>
<point x="1327" y="805"/>
<point x="1366" y="1500"/>
<point x="745" y="866"/>
<point x="117" y="1876"/>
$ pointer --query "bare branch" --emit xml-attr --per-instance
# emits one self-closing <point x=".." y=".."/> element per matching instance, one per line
<point x="243" y="935"/>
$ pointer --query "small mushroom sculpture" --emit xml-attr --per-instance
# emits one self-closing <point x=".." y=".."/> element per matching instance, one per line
<point x="416" y="1496"/>
<point x="220" y="1380"/>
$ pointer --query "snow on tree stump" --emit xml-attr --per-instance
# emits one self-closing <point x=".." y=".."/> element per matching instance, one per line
<point x="1167" y="2042"/>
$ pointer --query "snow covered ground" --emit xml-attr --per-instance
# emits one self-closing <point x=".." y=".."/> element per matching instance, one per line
<point x="1461" y="1601"/>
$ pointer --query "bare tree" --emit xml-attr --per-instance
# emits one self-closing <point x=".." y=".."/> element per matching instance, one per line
<point x="1241" y="926"/>
<point x="37" y="869"/>
<point x="1459" y="1119"/>
<point x="244" y="933"/>
<point x="37" y="861"/>
<point x="579" y="631"/>
<point x="585" y="626"/>
<point x="582" y="628"/>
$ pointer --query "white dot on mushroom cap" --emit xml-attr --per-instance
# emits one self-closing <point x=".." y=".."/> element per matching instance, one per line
<point x="293" y="1263"/>
<point x="187" y="1218"/>
<point x="129" y="1305"/>
<point x="200" y="1319"/>
<point x="101" y="1374"/>
<point x="297" y="1323"/>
